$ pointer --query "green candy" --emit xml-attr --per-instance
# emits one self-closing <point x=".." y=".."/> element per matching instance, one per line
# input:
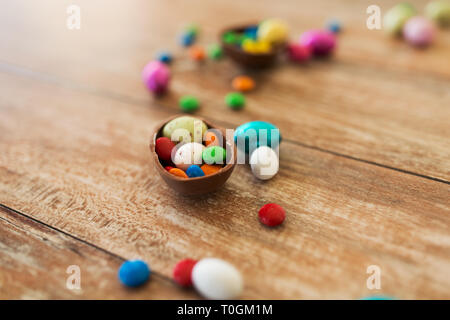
<point x="439" y="11"/>
<point x="235" y="100"/>
<point x="230" y="37"/>
<point x="215" y="52"/>
<point x="396" y="17"/>
<point x="214" y="155"/>
<point x="189" y="103"/>
<point x="194" y="128"/>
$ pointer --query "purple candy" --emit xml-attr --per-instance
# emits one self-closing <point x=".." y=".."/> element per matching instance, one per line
<point x="419" y="31"/>
<point x="320" y="42"/>
<point x="156" y="76"/>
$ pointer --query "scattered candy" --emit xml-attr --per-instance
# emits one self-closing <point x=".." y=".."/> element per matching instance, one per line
<point x="188" y="154"/>
<point x="134" y="273"/>
<point x="378" y="297"/>
<point x="156" y="76"/>
<point x="178" y="172"/>
<point x="298" y="52"/>
<point x="197" y="53"/>
<point x="211" y="139"/>
<point x="243" y="83"/>
<point x="215" y="52"/>
<point x="419" y="32"/>
<point x="439" y="11"/>
<point x="165" y="57"/>
<point x="251" y="134"/>
<point x="182" y="273"/>
<point x="271" y="214"/>
<point x="321" y="43"/>
<point x="163" y="148"/>
<point x="187" y="123"/>
<point x="189" y="103"/>
<point x="235" y="100"/>
<point x="273" y="31"/>
<point x="187" y="39"/>
<point x="396" y="17"/>
<point x="334" y="26"/>
<point x="264" y="163"/>
<point x="210" y="169"/>
<point x="217" y="279"/>
<point x="214" y="155"/>
<point x="194" y="171"/>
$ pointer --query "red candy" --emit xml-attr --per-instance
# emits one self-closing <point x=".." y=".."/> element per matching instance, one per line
<point x="271" y="214"/>
<point x="298" y="52"/>
<point x="168" y="168"/>
<point x="182" y="273"/>
<point x="163" y="147"/>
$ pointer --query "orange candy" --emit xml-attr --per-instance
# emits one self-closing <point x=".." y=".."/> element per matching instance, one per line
<point x="178" y="172"/>
<point x="211" y="139"/>
<point x="197" y="53"/>
<point x="209" y="169"/>
<point x="243" y="83"/>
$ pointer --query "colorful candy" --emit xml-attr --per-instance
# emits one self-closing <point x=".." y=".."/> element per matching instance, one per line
<point x="264" y="163"/>
<point x="178" y="172"/>
<point x="187" y="39"/>
<point x="253" y="134"/>
<point x="396" y="17"/>
<point x="243" y="83"/>
<point x="189" y="103"/>
<point x="134" y="273"/>
<point x="194" y="171"/>
<point x="217" y="279"/>
<point x="235" y="100"/>
<point x="197" y="53"/>
<point x="215" y="52"/>
<point x="188" y="154"/>
<point x="273" y="31"/>
<point x="298" y="52"/>
<point x="165" y="57"/>
<point x="182" y="273"/>
<point x="214" y="155"/>
<point x="334" y="26"/>
<point x="212" y="139"/>
<point x="321" y="43"/>
<point x="163" y="148"/>
<point x="195" y="129"/>
<point x="210" y="169"/>
<point x="156" y="76"/>
<point x="256" y="46"/>
<point x="271" y="214"/>
<point x="439" y="11"/>
<point x="419" y="32"/>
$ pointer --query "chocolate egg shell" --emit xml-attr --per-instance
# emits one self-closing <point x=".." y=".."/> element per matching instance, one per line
<point x="199" y="185"/>
<point x="246" y="59"/>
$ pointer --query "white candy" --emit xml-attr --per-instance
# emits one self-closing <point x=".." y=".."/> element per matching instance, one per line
<point x="188" y="154"/>
<point x="217" y="279"/>
<point x="264" y="163"/>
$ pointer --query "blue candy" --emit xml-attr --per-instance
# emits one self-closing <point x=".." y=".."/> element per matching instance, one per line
<point x="187" y="39"/>
<point x="165" y="57"/>
<point x="251" y="32"/>
<point x="194" y="171"/>
<point x="378" y="297"/>
<point x="134" y="273"/>
<point x="251" y="135"/>
<point x="334" y="26"/>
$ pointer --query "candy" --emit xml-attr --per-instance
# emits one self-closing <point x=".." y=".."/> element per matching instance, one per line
<point x="439" y="11"/>
<point x="212" y="139"/>
<point x="273" y="31"/>
<point x="230" y="37"/>
<point x="168" y="168"/>
<point x="251" y="32"/>
<point x="187" y="39"/>
<point x="182" y="273"/>
<point x="271" y="214"/>
<point x="197" y="53"/>
<point x="189" y="103"/>
<point x="235" y="100"/>
<point x="163" y="148"/>
<point x="134" y="273"/>
<point x="188" y="154"/>
<point x="217" y="279"/>
<point x="214" y="155"/>
<point x="321" y="43"/>
<point x="194" y="128"/>
<point x="215" y="52"/>
<point x="165" y="57"/>
<point x="210" y="169"/>
<point x="419" y="32"/>
<point x="178" y="172"/>
<point x="298" y="52"/>
<point x="264" y="163"/>
<point x="378" y="297"/>
<point x="243" y="83"/>
<point x="396" y="17"/>
<point x="253" y="134"/>
<point x="194" y="171"/>
<point x="156" y="76"/>
<point x="256" y="47"/>
<point x="334" y="26"/>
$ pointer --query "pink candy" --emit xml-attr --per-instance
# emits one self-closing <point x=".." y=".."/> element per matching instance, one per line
<point x="156" y="76"/>
<point x="298" y="52"/>
<point x="419" y="31"/>
<point x="320" y="42"/>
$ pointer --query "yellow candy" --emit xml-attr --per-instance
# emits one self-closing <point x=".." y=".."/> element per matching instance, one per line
<point x="273" y="31"/>
<point x="263" y="46"/>
<point x="251" y="46"/>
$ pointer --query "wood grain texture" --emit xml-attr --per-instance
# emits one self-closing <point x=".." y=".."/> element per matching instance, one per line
<point x="88" y="173"/>
<point x="34" y="259"/>
<point x="377" y="100"/>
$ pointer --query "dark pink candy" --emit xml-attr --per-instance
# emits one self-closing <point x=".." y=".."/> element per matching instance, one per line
<point x="298" y="52"/>
<point x="320" y="42"/>
<point x="156" y="76"/>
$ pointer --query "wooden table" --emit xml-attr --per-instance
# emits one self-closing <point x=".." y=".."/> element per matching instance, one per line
<point x="365" y="160"/>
